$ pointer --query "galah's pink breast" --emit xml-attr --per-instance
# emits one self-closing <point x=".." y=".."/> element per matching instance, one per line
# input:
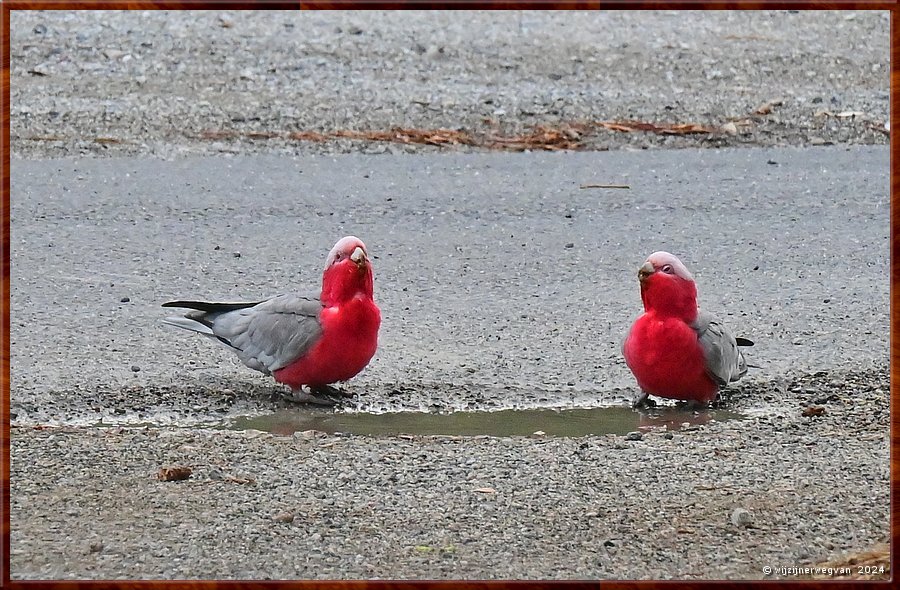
<point x="667" y="360"/>
<point x="348" y="343"/>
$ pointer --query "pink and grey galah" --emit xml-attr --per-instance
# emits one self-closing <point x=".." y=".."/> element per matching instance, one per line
<point x="674" y="349"/>
<point x="311" y="341"/>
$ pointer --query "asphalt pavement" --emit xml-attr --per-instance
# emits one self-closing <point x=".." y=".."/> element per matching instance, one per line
<point x="499" y="277"/>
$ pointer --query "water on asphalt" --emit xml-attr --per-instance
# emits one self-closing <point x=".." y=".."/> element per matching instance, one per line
<point x="572" y="422"/>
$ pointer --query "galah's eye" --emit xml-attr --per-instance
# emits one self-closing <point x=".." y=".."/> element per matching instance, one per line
<point x="667" y="268"/>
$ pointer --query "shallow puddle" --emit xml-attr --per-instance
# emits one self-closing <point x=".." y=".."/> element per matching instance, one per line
<point x="567" y="422"/>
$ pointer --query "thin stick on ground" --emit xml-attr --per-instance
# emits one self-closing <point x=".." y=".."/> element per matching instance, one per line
<point x="605" y="186"/>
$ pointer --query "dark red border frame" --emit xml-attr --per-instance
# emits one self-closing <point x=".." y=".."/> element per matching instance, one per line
<point x="7" y="5"/>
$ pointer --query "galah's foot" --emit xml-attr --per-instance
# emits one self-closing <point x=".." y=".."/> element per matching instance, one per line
<point x="643" y="401"/>
<point x="329" y="391"/>
<point x="300" y="396"/>
<point x="692" y="405"/>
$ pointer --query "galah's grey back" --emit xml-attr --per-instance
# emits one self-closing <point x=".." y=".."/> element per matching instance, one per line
<point x="266" y="335"/>
<point x="724" y="360"/>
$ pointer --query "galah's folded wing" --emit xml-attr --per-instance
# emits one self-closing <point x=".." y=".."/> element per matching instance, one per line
<point x="266" y="336"/>
<point x="724" y="361"/>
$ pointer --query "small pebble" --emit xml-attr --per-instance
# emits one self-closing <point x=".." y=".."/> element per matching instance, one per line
<point x="125" y="299"/>
<point x="741" y="517"/>
<point x="135" y="368"/>
<point x="308" y="434"/>
<point x="284" y="517"/>
<point x="634" y="436"/>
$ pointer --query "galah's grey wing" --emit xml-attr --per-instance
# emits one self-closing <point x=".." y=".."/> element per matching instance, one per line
<point x="724" y="362"/>
<point x="266" y="335"/>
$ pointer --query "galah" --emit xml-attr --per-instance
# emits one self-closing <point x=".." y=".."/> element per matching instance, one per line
<point x="674" y="349"/>
<point x="311" y="341"/>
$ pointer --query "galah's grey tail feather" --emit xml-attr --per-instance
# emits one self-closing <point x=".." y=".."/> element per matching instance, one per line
<point x="188" y="324"/>
<point x="210" y="306"/>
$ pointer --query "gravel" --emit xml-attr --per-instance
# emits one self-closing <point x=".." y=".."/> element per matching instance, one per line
<point x="263" y="506"/>
<point x="168" y="84"/>
<point x="789" y="243"/>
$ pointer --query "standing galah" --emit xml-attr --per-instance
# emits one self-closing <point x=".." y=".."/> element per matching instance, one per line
<point x="674" y="349"/>
<point x="301" y="340"/>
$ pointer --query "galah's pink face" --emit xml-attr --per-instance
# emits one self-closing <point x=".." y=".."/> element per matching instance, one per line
<point x="667" y="287"/>
<point x="662" y="266"/>
<point x="348" y="270"/>
<point x="348" y="252"/>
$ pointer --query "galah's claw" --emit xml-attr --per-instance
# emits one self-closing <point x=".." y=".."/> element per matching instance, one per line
<point x="643" y="401"/>
<point x="330" y="391"/>
<point x="300" y="396"/>
<point x="718" y="402"/>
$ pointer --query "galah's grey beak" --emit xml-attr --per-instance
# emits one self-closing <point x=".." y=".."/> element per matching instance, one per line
<point x="645" y="271"/>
